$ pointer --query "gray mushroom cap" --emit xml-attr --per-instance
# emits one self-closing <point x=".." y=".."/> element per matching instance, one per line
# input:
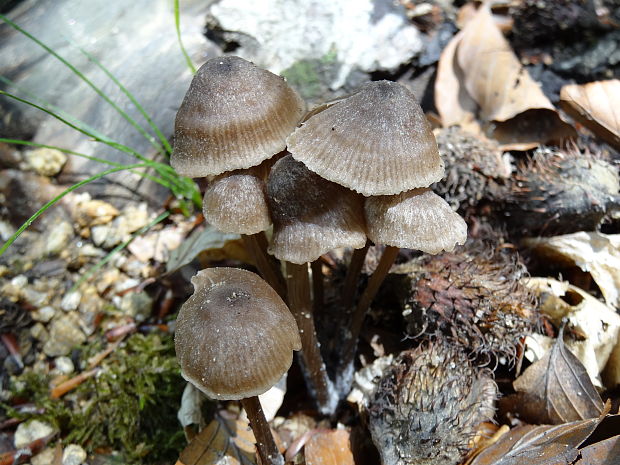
<point x="234" y="116"/>
<point x="375" y="142"/>
<point x="234" y="336"/>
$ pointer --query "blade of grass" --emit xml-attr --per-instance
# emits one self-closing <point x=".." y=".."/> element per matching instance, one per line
<point x="83" y="155"/>
<point x="75" y="186"/>
<point x="177" y="25"/>
<point x="78" y="73"/>
<point x="117" y="249"/>
<point x="130" y="96"/>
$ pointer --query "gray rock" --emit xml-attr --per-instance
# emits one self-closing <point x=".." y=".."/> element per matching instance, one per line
<point x="44" y="314"/>
<point x="64" y="365"/>
<point x="138" y="305"/>
<point x="367" y="35"/>
<point x="45" y="457"/>
<point x="71" y="301"/>
<point x="136" y="41"/>
<point x="58" y="237"/>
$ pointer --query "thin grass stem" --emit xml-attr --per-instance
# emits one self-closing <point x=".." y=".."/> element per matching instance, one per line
<point x="75" y="186"/>
<point x="177" y="25"/>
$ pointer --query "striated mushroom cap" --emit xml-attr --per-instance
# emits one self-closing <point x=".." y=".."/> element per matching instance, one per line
<point x="234" y="336"/>
<point x="236" y="202"/>
<point x="311" y="215"/>
<point x="234" y="116"/>
<point x="417" y="219"/>
<point x="376" y="142"/>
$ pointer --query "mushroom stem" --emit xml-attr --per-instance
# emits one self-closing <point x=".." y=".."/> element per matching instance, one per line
<point x="256" y="245"/>
<point x="318" y="295"/>
<point x="349" y="287"/>
<point x="374" y="283"/>
<point x="265" y="444"/>
<point x="301" y="307"/>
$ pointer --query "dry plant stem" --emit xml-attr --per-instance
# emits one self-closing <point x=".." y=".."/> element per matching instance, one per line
<point x="318" y="297"/>
<point x="265" y="444"/>
<point x="301" y="306"/>
<point x="256" y="244"/>
<point x="374" y="283"/>
<point x="353" y="273"/>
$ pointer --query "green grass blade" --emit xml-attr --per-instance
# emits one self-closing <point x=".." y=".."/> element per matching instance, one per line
<point x="129" y="95"/>
<point x="78" y="73"/>
<point x="83" y="155"/>
<point x="177" y="25"/>
<point x="75" y="186"/>
<point x="117" y="249"/>
<point x="44" y="103"/>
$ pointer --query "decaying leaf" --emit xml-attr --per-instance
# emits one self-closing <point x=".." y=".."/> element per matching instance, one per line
<point x="479" y="66"/>
<point x="597" y="106"/>
<point x="454" y="104"/>
<point x="199" y="241"/>
<point x="329" y="448"/>
<point x="593" y="252"/>
<point x="559" y="388"/>
<point x="606" y="452"/>
<point x="597" y="323"/>
<point x="539" y="445"/>
<point x="223" y="442"/>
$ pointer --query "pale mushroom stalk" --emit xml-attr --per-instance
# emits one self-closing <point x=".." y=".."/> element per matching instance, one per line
<point x="256" y="245"/>
<point x="354" y="270"/>
<point x="301" y="307"/>
<point x="385" y="263"/>
<point x="265" y="444"/>
<point x="318" y="293"/>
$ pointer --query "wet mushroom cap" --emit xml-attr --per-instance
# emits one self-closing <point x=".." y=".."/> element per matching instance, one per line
<point x="418" y="219"/>
<point x="234" y="336"/>
<point x="236" y="202"/>
<point x="234" y="116"/>
<point x="311" y="215"/>
<point x="376" y="142"/>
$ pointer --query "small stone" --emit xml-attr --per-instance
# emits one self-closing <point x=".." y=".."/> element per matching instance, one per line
<point x="138" y="305"/>
<point x="65" y="333"/>
<point x="45" y="161"/>
<point x="64" y="365"/>
<point x="71" y="301"/>
<point x="45" y="457"/>
<point x="94" y="212"/>
<point x="44" y="314"/>
<point x="39" y="332"/>
<point x="73" y="455"/>
<point x="35" y="298"/>
<point x="58" y="238"/>
<point x="106" y="280"/>
<point x="31" y="431"/>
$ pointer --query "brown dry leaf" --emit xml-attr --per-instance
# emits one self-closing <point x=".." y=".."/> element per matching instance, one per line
<point x="454" y="104"/>
<point x="558" y="387"/>
<point x="539" y="445"/>
<point x="606" y="452"/>
<point x="329" y="448"/>
<point x="223" y="442"/>
<point x="597" y="106"/>
<point x="490" y="73"/>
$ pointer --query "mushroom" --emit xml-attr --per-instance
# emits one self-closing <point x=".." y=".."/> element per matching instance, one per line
<point x="417" y="219"/>
<point x="236" y="202"/>
<point x="375" y="142"/>
<point x="311" y="216"/>
<point x="234" y="340"/>
<point x="234" y="116"/>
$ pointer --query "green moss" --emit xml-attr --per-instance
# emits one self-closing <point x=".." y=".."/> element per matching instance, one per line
<point x="129" y="406"/>
<point x="310" y="77"/>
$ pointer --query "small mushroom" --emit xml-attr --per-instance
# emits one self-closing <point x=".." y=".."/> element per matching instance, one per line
<point x="234" y="340"/>
<point x="418" y="219"/>
<point x="234" y="116"/>
<point x="236" y="202"/>
<point x="376" y="142"/>
<point x="311" y="216"/>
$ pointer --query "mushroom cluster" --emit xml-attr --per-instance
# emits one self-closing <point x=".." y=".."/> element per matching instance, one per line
<point x="355" y="171"/>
